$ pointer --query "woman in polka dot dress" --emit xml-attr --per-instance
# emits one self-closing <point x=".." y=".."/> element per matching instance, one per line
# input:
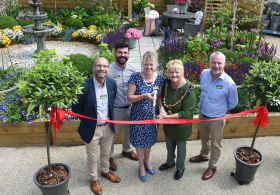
<point x="140" y="92"/>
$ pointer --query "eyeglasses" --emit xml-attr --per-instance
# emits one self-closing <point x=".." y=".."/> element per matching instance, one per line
<point x="120" y="53"/>
<point x="102" y="66"/>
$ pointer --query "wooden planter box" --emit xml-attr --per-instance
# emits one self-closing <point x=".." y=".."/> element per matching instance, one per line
<point x="24" y="134"/>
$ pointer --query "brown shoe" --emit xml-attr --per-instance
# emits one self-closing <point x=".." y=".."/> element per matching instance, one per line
<point x="130" y="155"/>
<point x="197" y="158"/>
<point x="95" y="186"/>
<point x="111" y="176"/>
<point x="208" y="173"/>
<point x="113" y="166"/>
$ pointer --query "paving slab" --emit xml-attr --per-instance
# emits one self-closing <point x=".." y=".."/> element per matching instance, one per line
<point x="19" y="164"/>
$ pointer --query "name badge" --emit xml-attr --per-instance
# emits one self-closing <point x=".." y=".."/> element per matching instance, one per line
<point x="155" y="87"/>
<point x="219" y="86"/>
<point x="103" y="96"/>
<point x="117" y="77"/>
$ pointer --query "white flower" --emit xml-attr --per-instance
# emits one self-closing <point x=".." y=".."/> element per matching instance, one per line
<point x="14" y="35"/>
<point x="57" y="30"/>
<point x="92" y="34"/>
<point x="74" y="16"/>
<point x="82" y="32"/>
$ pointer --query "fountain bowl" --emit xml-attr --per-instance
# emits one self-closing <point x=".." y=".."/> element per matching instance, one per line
<point x="28" y="30"/>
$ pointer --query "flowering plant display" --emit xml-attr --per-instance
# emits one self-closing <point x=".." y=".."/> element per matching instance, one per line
<point x="139" y="5"/>
<point x="183" y="2"/>
<point x="127" y="22"/>
<point x="13" y="111"/>
<point x="4" y="40"/>
<point x="133" y="33"/>
<point x="27" y="39"/>
<point x="85" y="33"/>
<point x="10" y="35"/>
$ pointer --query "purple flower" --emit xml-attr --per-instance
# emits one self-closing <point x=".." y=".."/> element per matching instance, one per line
<point x="5" y="107"/>
<point x="16" y="122"/>
<point x="10" y="100"/>
<point x="16" y="97"/>
<point x="19" y="102"/>
<point x="5" y="120"/>
<point x="28" y="117"/>
<point x="253" y="46"/>
<point x="213" y="16"/>
<point x="213" y="32"/>
<point x="222" y="19"/>
<point x="35" y="115"/>
<point x="13" y="106"/>
<point x="17" y="18"/>
<point x="23" y="113"/>
<point x="30" y="122"/>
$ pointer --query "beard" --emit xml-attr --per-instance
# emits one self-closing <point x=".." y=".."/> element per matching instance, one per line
<point x="121" y="62"/>
<point x="217" y="71"/>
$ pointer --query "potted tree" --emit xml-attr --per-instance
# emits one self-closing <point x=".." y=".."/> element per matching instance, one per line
<point x="50" y="83"/>
<point x="264" y="83"/>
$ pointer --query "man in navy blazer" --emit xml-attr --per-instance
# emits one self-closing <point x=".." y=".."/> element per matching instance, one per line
<point x="97" y="102"/>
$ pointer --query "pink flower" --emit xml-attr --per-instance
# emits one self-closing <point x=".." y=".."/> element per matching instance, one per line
<point x="132" y="33"/>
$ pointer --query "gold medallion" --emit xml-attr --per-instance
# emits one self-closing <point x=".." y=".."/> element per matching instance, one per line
<point x="169" y="112"/>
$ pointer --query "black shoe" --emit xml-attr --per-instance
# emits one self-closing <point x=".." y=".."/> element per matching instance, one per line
<point x="179" y="174"/>
<point x="165" y="166"/>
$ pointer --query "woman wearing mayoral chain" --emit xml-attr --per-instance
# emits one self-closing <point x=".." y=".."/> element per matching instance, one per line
<point x="178" y="98"/>
<point x="141" y="94"/>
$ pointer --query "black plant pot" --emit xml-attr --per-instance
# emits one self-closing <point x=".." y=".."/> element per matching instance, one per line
<point x="57" y="189"/>
<point x="245" y="172"/>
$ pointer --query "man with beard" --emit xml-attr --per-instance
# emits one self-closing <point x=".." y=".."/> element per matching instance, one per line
<point x="121" y="71"/>
<point x="97" y="102"/>
<point x="218" y="95"/>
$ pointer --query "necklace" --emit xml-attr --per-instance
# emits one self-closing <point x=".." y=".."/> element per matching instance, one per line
<point x="144" y="79"/>
<point x="171" y="105"/>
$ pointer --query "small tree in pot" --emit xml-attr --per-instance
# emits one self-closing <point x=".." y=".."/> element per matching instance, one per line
<point x="264" y="83"/>
<point x="50" y="83"/>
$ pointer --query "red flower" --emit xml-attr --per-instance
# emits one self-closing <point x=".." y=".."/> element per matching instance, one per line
<point x="233" y="68"/>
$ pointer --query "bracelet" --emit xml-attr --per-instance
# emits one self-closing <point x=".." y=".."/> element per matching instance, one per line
<point x="167" y="116"/>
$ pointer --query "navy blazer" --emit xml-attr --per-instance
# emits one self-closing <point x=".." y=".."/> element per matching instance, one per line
<point x="87" y="106"/>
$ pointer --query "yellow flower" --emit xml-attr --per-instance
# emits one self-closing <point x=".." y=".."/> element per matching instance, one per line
<point x="75" y="34"/>
<point x="17" y="27"/>
<point x="87" y="33"/>
<point x="111" y="30"/>
<point x="98" y="37"/>
<point x="49" y="22"/>
<point x="60" y="26"/>
<point x="92" y="27"/>
<point x="5" y="40"/>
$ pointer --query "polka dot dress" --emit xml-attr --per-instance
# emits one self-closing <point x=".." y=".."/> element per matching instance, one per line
<point x="144" y="136"/>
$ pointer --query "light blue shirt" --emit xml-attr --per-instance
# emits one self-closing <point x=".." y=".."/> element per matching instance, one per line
<point x="217" y="97"/>
<point x="121" y="76"/>
<point x="102" y="101"/>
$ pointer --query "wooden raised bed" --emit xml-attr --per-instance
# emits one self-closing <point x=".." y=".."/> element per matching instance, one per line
<point x="24" y="134"/>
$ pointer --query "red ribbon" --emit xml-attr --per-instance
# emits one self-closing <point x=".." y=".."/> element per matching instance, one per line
<point x="58" y="114"/>
<point x="262" y="116"/>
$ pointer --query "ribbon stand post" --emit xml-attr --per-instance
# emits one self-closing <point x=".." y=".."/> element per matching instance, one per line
<point x="48" y="147"/>
<point x="262" y="120"/>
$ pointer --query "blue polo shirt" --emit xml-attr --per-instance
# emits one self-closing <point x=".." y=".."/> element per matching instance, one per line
<point x="217" y="97"/>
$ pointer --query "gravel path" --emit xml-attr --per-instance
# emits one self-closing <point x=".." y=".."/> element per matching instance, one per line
<point x="19" y="51"/>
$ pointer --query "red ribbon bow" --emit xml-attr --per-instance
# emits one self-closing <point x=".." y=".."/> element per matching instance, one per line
<point x="57" y="116"/>
<point x="262" y="115"/>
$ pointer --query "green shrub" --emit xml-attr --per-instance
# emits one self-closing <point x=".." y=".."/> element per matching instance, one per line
<point x="75" y="23"/>
<point x="230" y="54"/>
<point x="27" y="22"/>
<point x="247" y="60"/>
<point x="7" y="22"/>
<point x="83" y="63"/>
<point x="90" y="21"/>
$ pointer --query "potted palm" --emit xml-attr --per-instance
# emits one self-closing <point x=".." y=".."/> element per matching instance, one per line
<point x="264" y="83"/>
<point x="50" y="83"/>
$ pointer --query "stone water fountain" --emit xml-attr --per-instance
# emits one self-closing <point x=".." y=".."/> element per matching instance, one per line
<point x="38" y="30"/>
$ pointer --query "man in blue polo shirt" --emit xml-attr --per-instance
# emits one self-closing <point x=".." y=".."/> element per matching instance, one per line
<point x="218" y="95"/>
<point x="121" y="71"/>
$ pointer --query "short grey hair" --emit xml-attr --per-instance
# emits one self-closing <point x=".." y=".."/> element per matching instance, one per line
<point x="218" y="53"/>
<point x="149" y="56"/>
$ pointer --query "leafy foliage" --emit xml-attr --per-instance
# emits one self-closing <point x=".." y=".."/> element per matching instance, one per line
<point x="106" y="53"/>
<point x="7" y="22"/>
<point x="75" y="23"/>
<point x="264" y="81"/>
<point x="50" y="83"/>
<point x="83" y="63"/>
<point x="27" y="22"/>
